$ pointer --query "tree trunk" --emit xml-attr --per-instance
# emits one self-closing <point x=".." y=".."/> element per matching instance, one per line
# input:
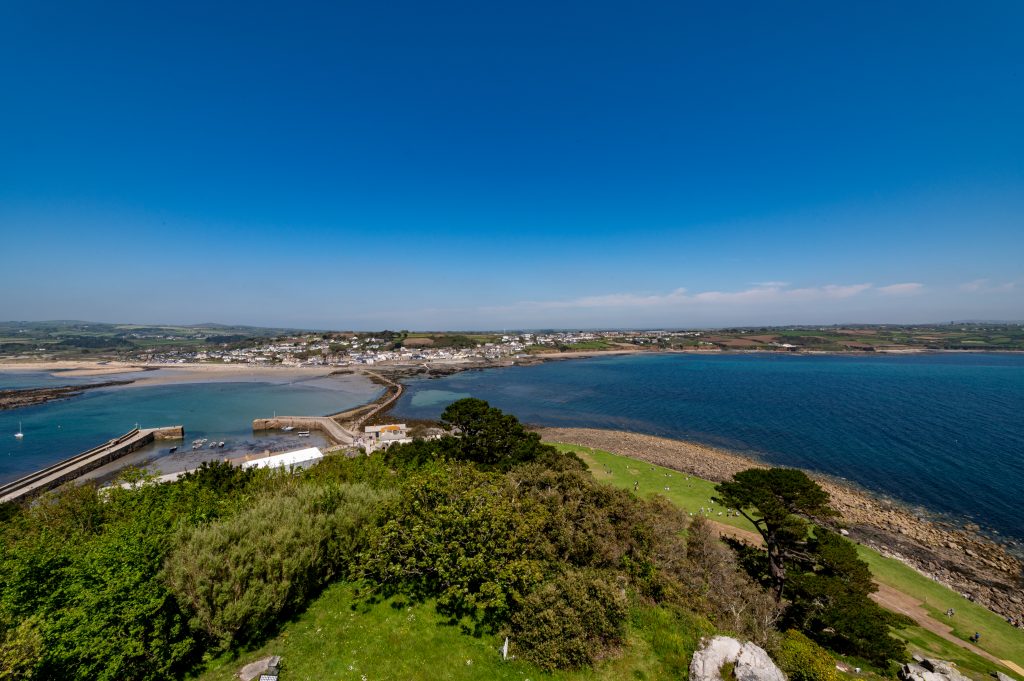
<point x="776" y="568"/>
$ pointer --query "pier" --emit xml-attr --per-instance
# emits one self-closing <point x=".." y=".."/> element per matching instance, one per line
<point x="80" y="464"/>
<point x="324" y="424"/>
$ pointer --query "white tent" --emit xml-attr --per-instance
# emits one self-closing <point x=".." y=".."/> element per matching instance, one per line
<point x="300" y="459"/>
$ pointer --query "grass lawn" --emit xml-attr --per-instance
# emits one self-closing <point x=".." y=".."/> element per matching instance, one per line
<point x="930" y="645"/>
<point x="685" y="491"/>
<point x="339" y="638"/>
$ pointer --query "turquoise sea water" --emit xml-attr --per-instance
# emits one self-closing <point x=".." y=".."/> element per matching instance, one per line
<point x="217" y="410"/>
<point x="943" y="431"/>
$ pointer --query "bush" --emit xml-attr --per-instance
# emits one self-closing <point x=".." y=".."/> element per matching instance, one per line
<point x="718" y="587"/>
<point x="571" y="621"/>
<point x="21" y="651"/>
<point x="461" y="535"/>
<point x="804" y="660"/>
<point x="237" y="576"/>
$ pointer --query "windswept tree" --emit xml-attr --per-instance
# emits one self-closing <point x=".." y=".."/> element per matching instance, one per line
<point x="828" y="585"/>
<point x="780" y="503"/>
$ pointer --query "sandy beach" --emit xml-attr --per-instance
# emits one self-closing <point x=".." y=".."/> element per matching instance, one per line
<point x="161" y="374"/>
<point x="959" y="558"/>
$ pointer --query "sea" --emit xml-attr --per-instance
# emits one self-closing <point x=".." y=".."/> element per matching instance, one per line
<point x="221" y="411"/>
<point x="943" y="433"/>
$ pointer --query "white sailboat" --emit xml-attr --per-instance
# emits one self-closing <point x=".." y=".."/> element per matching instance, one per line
<point x="19" y="434"/>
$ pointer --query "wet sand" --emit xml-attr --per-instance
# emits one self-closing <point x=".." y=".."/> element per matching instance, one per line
<point x="162" y="374"/>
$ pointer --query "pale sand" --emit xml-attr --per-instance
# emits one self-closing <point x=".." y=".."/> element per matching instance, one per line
<point x="175" y="373"/>
<point x="205" y="373"/>
<point x="69" y="368"/>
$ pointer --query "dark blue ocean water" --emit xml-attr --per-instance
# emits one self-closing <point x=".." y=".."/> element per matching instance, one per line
<point x="943" y="431"/>
<point x="215" y="410"/>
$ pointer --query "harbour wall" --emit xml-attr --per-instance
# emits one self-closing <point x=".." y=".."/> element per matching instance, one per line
<point x="324" y="424"/>
<point x="89" y="460"/>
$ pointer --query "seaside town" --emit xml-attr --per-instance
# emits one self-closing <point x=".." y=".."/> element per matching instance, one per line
<point x="54" y="341"/>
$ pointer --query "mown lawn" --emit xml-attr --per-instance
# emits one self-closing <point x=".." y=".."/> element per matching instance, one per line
<point x="685" y="491"/>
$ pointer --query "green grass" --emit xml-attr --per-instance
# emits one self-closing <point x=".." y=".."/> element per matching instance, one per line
<point x="340" y="637"/>
<point x="931" y="645"/>
<point x="685" y="491"/>
<point x="997" y="637"/>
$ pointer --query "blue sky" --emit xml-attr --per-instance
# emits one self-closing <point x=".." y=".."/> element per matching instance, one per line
<point x="474" y="165"/>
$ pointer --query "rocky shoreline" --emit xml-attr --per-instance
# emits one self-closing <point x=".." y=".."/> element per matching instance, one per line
<point x="29" y="397"/>
<point x="961" y="559"/>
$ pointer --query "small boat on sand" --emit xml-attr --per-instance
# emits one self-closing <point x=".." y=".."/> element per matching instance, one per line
<point x="288" y="429"/>
<point x="172" y="450"/>
<point x="303" y="433"/>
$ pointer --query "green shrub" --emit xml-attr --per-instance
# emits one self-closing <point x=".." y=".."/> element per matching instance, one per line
<point x="804" y="660"/>
<point x="716" y="586"/>
<point x="21" y="651"/>
<point x="237" y="576"/>
<point x="571" y="621"/>
<point x="461" y="535"/>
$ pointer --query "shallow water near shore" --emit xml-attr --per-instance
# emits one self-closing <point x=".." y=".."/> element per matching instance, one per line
<point x="941" y="431"/>
<point x="220" y="411"/>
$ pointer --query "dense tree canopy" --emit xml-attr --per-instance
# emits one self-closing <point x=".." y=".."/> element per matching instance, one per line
<point x="780" y="502"/>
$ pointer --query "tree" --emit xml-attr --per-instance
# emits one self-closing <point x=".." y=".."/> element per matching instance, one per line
<point x="830" y="601"/>
<point x="490" y="438"/>
<point x="779" y="502"/>
<point x="828" y="585"/>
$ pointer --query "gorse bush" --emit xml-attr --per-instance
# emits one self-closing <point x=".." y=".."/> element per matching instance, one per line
<point x="715" y="585"/>
<point x="21" y="650"/>
<point x="572" y="620"/>
<point x="804" y="660"/>
<point x="237" y="576"/>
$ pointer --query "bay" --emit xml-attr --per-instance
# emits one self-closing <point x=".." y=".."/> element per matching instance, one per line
<point x="941" y="431"/>
<point x="220" y="411"/>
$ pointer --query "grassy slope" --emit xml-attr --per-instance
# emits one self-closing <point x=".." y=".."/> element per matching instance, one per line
<point x="396" y="640"/>
<point x="340" y="637"/>
<point x="998" y="637"/>
<point x="685" y="491"/>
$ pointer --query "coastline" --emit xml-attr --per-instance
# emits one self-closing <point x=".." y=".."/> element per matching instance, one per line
<point x="163" y="374"/>
<point x="959" y="558"/>
<point x="963" y="560"/>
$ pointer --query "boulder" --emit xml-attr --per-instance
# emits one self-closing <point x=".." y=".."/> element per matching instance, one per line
<point x="930" y="670"/>
<point x="254" y="669"/>
<point x="750" y="662"/>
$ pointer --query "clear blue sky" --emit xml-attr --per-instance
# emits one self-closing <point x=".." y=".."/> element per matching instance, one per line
<point x="488" y="165"/>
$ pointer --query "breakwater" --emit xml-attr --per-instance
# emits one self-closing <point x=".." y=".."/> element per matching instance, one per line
<point x="323" y="424"/>
<point x="89" y="460"/>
